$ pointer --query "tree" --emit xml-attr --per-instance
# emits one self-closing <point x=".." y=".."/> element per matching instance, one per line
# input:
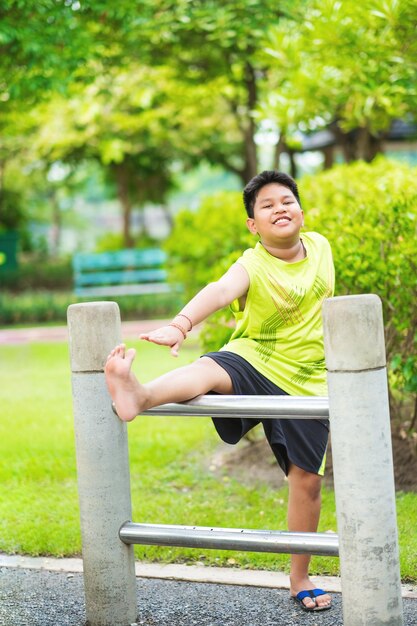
<point x="368" y="212"/>
<point x="352" y="66"/>
<point x="138" y="123"/>
<point x="43" y="45"/>
<point x="212" y="43"/>
<point x="13" y="133"/>
<point x="215" y="44"/>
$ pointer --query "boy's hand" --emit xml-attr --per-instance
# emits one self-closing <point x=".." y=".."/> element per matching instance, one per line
<point x="165" y="336"/>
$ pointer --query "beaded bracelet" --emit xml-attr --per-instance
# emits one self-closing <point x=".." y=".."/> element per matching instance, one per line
<point x="187" y="318"/>
<point x="180" y="328"/>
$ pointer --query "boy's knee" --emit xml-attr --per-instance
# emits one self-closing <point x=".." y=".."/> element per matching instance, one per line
<point x="216" y="376"/>
<point x="305" y="481"/>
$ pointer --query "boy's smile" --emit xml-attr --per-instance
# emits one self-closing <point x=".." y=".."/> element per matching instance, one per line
<point x="277" y="217"/>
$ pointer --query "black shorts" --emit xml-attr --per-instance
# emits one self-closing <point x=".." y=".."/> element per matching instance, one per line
<point x="302" y="442"/>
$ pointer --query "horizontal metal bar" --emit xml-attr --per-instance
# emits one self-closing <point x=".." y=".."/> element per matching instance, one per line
<point x="265" y="407"/>
<point x="324" y="544"/>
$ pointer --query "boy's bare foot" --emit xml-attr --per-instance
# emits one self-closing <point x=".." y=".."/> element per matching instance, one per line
<point x="125" y="390"/>
<point x="314" y="603"/>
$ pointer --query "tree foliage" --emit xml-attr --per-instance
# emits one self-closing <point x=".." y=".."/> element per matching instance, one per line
<point x="208" y="41"/>
<point x="369" y="214"/>
<point x="153" y="87"/>
<point x="351" y="65"/>
<point x="138" y="123"/>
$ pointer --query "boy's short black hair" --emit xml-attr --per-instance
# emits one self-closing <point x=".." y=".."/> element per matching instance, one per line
<point x="267" y="177"/>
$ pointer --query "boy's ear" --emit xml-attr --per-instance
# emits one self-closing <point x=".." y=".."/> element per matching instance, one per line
<point x="250" y="223"/>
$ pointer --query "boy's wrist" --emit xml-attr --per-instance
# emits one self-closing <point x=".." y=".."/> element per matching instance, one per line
<point x="180" y="322"/>
<point x="180" y="328"/>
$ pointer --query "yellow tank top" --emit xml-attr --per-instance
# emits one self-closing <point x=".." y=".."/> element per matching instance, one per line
<point x="280" y="329"/>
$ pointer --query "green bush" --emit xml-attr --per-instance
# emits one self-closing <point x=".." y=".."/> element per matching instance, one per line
<point x="34" y="307"/>
<point x="34" y="273"/>
<point x="203" y="244"/>
<point x="201" y="247"/>
<point x="369" y="214"/>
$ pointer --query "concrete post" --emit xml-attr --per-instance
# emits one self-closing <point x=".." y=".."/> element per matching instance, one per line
<point x="103" y="468"/>
<point x="362" y="461"/>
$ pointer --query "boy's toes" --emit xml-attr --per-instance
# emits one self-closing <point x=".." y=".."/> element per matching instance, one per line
<point x="309" y="603"/>
<point x="130" y="354"/>
<point x="323" y="600"/>
<point x="313" y="599"/>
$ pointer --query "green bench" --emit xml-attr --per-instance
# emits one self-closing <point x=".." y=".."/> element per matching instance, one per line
<point x="120" y="273"/>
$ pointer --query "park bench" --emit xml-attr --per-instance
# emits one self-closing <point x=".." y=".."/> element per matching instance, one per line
<point x="120" y="273"/>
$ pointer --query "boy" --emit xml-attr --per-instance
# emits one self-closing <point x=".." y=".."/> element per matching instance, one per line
<point x="277" y="290"/>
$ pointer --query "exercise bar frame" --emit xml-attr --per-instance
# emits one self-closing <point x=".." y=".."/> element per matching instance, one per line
<point x="367" y="540"/>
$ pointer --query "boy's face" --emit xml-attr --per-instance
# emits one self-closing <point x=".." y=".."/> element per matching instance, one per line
<point x="277" y="216"/>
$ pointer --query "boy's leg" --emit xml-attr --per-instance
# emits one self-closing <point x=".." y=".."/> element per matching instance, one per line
<point x="304" y="502"/>
<point x="132" y="398"/>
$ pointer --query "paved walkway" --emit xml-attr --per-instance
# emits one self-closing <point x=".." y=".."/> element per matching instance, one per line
<point x="189" y="573"/>
<point x="49" y="592"/>
<point x="130" y="330"/>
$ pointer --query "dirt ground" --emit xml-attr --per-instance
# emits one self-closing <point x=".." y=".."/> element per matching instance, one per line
<point x="254" y="462"/>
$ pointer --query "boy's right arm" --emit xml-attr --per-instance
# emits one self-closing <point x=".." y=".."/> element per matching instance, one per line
<point x="232" y="285"/>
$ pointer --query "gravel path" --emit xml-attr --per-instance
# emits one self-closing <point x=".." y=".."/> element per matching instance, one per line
<point x="42" y="598"/>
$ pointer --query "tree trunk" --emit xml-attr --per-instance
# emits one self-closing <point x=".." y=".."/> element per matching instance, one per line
<point x="328" y="154"/>
<point x="2" y="170"/>
<point x="347" y="142"/>
<point x="122" y="180"/>
<point x="250" y="168"/>
<point x="368" y="145"/>
<point x="56" y="226"/>
<point x="279" y="149"/>
<point x="293" y="165"/>
<point x="358" y="144"/>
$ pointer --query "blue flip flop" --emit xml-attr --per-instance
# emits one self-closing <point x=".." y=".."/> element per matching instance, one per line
<point x="313" y="594"/>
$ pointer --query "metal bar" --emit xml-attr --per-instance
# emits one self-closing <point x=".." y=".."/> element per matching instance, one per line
<point x="323" y="544"/>
<point x="265" y="407"/>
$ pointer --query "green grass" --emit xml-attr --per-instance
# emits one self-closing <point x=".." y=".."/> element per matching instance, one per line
<point x="170" y="475"/>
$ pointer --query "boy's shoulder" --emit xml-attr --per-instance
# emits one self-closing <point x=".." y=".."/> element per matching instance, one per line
<point x="314" y="236"/>
<point x="251" y="258"/>
<point x="318" y="239"/>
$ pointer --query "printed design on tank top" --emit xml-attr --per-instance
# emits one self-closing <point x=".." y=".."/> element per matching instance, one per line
<point x="304" y="373"/>
<point x="321" y="288"/>
<point x="288" y="313"/>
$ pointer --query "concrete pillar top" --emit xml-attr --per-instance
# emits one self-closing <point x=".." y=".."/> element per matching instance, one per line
<point x="354" y="333"/>
<point x="94" y="330"/>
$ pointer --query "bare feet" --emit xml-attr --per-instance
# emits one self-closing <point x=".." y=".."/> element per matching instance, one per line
<point x="126" y="392"/>
<point x="317" y="603"/>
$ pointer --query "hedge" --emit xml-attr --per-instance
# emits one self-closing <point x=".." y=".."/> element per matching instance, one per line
<point x="369" y="214"/>
<point x="34" y="307"/>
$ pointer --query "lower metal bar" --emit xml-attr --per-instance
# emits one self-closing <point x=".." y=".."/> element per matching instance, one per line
<point x="264" y="407"/>
<point x="323" y="544"/>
